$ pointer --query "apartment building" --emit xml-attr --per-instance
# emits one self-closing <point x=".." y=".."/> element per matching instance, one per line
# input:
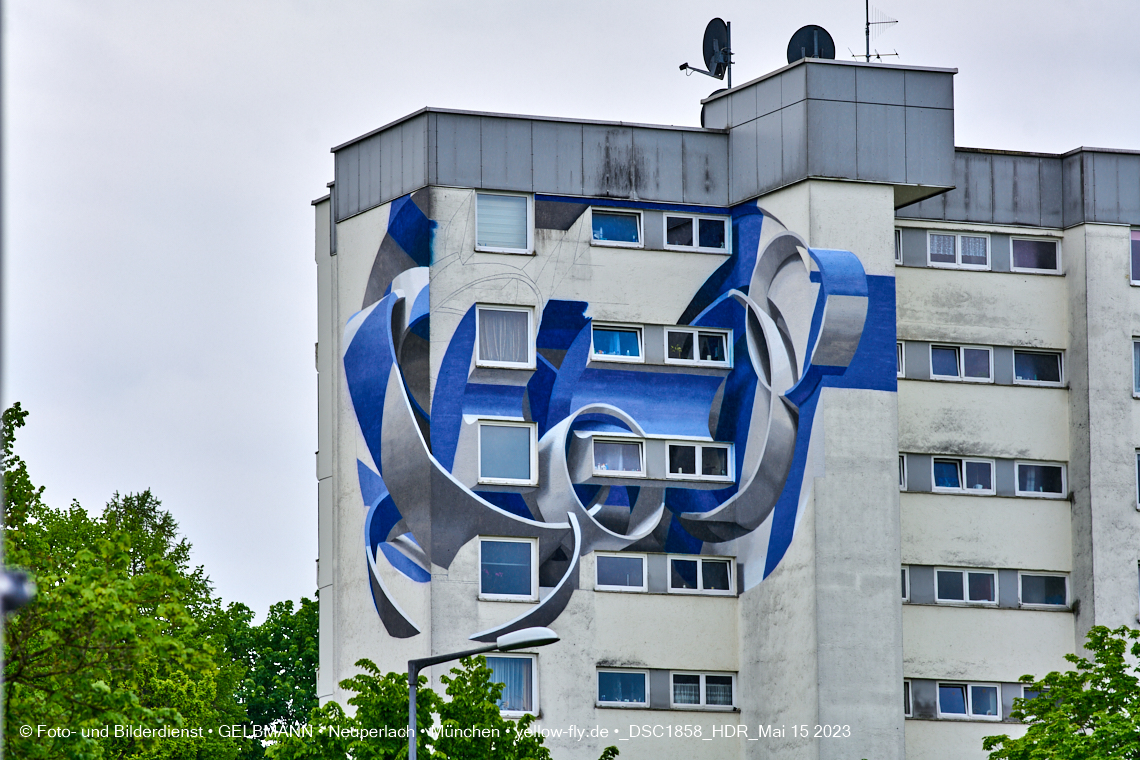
<point x="633" y="382"/>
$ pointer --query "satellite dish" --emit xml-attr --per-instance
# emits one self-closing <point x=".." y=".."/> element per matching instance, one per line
<point x="715" y="41"/>
<point x="810" y="41"/>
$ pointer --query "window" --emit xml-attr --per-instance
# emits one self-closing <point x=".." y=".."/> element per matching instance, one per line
<point x="1046" y="480"/>
<point x="696" y="233"/>
<point x="1041" y="590"/>
<point x="969" y="700"/>
<point x="616" y="343"/>
<point x="1136" y="257"/>
<point x="1136" y="368"/>
<point x="975" y="476"/>
<point x="906" y="699"/>
<point x="700" y="461"/>
<point x="898" y="246"/>
<point x="900" y="362"/>
<point x="972" y="364"/>
<point x="503" y="223"/>
<point x="952" y="251"/>
<point x="707" y="348"/>
<point x="508" y="453"/>
<point x="507" y="569"/>
<point x="966" y="586"/>
<point x="505" y="337"/>
<point x="1036" y="367"/>
<point x="902" y="472"/>
<point x="1034" y="255"/>
<point x="703" y="690"/>
<point x="626" y="688"/>
<point x="700" y="575"/>
<point x="620" y="228"/>
<point x="520" y="687"/>
<point x="1138" y="478"/>
<point x="620" y="572"/>
<point x="905" y="584"/>
<point x="619" y="458"/>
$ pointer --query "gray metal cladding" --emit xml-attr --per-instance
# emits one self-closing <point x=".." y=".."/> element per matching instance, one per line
<point x="831" y="130"/>
<point x="879" y="129"/>
<point x="704" y="168"/>
<point x="557" y="161"/>
<point x="1111" y="184"/>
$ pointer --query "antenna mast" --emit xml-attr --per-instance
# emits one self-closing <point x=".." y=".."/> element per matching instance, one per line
<point x="867" y="30"/>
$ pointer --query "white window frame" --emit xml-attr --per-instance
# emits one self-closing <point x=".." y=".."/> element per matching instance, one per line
<point x="533" y="596"/>
<point x="962" y="489"/>
<point x="701" y="590"/>
<point x="903" y="464"/>
<point x="529" y="250"/>
<point x="635" y="705"/>
<point x="958" y="251"/>
<point x="1135" y="343"/>
<point x="1040" y="383"/>
<point x="1014" y="268"/>
<point x="609" y="438"/>
<point x="644" y="587"/>
<point x="697" y="362"/>
<point x="696" y="232"/>
<point x="960" y="348"/>
<point x="699" y="445"/>
<point x="966" y="601"/>
<point x="535" y="691"/>
<point x="905" y="581"/>
<point x="497" y="422"/>
<point x="704" y="699"/>
<point x="900" y="356"/>
<point x="1036" y="606"/>
<point x="908" y="699"/>
<point x="530" y="337"/>
<point x="617" y="243"/>
<point x="1040" y="494"/>
<point x="898" y="246"/>
<point x="969" y="715"/>
<point x="639" y="359"/>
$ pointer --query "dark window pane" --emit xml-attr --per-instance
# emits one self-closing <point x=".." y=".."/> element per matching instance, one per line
<point x="952" y="699"/>
<point x="614" y="227"/>
<point x="678" y="230"/>
<point x="1037" y="367"/>
<point x="683" y="573"/>
<point x="621" y="571"/>
<point x="904" y="583"/>
<point x="515" y="674"/>
<point x="680" y="345"/>
<point x="1136" y="255"/>
<point x="898" y="359"/>
<point x="714" y="461"/>
<point x="686" y="690"/>
<point x="974" y="251"/>
<point x="1035" y="254"/>
<point x="504" y="452"/>
<point x="1136" y="366"/>
<point x="947" y="474"/>
<point x="983" y="700"/>
<point x="504" y="336"/>
<point x="718" y="690"/>
<point x="611" y="456"/>
<point x="1043" y="589"/>
<point x="942" y="249"/>
<point x="711" y="347"/>
<point x="976" y="362"/>
<point x="902" y="472"/>
<point x="683" y="460"/>
<point x="950" y="585"/>
<point x="714" y="573"/>
<point x="906" y="698"/>
<point x="505" y="568"/>
<point x="1039" y="478"/>
<point x="944" y="361"/>
<point x="621" y="687"/>
<point x="712" y="233"/>
<point x="982" y="587"/>
<point x="979" y="476"/>
<point x="611" y="341"/>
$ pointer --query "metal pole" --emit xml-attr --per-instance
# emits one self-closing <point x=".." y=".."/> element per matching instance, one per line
<point x="729" y="43"/>
<point x="413" y="679"/>
<point x="867" y="17"/>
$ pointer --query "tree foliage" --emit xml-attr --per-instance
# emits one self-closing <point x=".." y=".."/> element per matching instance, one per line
<point x="1089" y="713"/>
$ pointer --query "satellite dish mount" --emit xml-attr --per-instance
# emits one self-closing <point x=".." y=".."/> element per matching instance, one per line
<point x="717" y="48"/>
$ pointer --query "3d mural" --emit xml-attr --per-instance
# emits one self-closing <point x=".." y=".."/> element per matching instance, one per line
<point x="790" y="321"/>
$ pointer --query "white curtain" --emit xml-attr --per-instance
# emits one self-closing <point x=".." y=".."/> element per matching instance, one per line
<point x="504" y="336"/>
<point x="514" y="673"/>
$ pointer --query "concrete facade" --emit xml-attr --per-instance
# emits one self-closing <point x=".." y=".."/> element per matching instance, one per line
<point x="831" y="193"/>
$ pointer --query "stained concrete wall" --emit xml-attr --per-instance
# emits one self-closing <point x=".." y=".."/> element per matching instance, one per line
<point x="961" y="740"/>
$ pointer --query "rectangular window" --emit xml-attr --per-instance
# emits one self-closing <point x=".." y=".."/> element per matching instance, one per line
<point x="616" y="343"/>
<point x="505" y="337"/>
<point x="700" y="575"/>
<point x="1136" y="368"/>
<point x="503" y="223"/>
<point x="685" y="232"/>
<point x="1041" y="590"/>
<point x="972" y="364"/>
<point x="700" y="461"/>
<point x="507" y="569"/>
<point x="620" y="572"/>
<point x="705" y="348"/>
<point x="508" y="453"/>
<point x="900" y="362"/>
<point x="975" y="476"/>
<point x="516" y="674"/>
<point x="1136" y="257"/>
<point x="966" y="251"/>
<point x="902" y="472"/>
<point x="1138" y="478"/>
<point x="1037" y="368"/>
<point x="906" y="699"/>
<point x="1046" y="480"/>
<point x="905" y="585"/>
<point x="620" y="228"/>
<point x="969" y="700"/>
<point x="624" y="688"/>
<point x="966" y="586"/>
<point x="703" y="690"/>
<point x="1034" y="255"/>
<point x="898" y="246"/>
<point x="619" y="458"/>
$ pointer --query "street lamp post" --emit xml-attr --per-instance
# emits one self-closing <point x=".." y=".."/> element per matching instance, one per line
<point x="527" y="637"/>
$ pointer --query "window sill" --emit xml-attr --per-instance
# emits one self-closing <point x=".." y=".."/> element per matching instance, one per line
<point x="509" y="252"/>
<point x="693" y="249"/>
<point x="508" y="600"/>
<point x="678" y="709"/>
<point x="615" y="244"/>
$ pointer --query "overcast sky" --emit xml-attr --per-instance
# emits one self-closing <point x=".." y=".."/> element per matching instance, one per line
<point x="160" y="157"/>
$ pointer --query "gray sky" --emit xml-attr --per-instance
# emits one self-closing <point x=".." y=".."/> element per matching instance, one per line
<point x="159" y="282"/>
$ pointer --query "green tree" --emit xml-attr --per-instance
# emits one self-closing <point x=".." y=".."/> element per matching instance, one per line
<point x="1090" y="713"/>
<point x="281" y="685"/>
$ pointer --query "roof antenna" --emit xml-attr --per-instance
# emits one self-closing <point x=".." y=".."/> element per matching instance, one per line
<point x="717" y="49"/>
<point x="881" y="19"/>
